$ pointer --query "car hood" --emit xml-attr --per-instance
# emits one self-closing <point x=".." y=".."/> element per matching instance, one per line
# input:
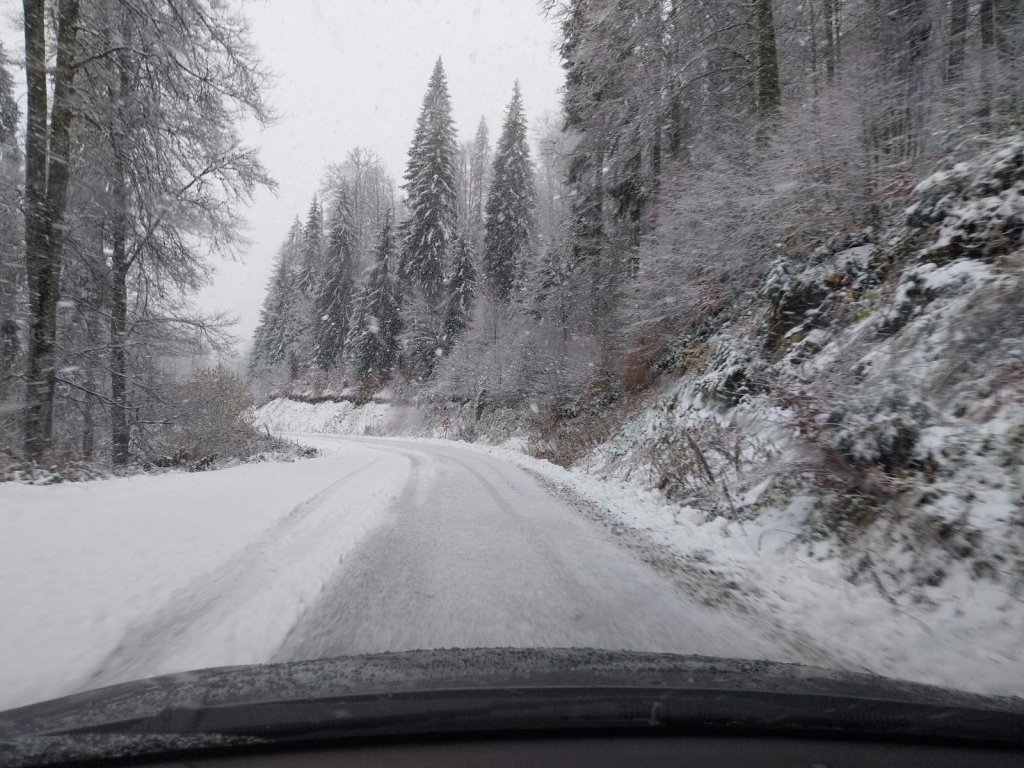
<point x="484" y="690"/>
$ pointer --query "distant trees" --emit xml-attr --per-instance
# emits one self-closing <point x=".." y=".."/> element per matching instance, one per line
<point x="474" y="164"/>
<point x="697" y="139"/>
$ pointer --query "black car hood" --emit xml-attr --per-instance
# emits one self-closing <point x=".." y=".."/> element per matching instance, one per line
<point x="485" y="690"/>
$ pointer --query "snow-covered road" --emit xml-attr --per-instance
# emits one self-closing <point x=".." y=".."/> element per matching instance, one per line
<point x="476" y="552"/>
<point x="378" y="545"/>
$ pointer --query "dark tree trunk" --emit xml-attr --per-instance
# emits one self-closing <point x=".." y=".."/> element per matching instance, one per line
<point x="89" y="424"/>
<point x="47" y="172"/>
<point x="831" y="19"/>
<point x="769" y="92"/>
<point x="957" y="41"/>
<point x="119" y="426"/>
<point x="987" y="28"/>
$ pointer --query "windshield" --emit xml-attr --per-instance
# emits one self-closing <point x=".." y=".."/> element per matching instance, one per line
<point x="683" y="326"/>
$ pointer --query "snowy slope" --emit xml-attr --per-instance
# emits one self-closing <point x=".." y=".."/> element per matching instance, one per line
<point x="342" y="418"/>
<point x="125" y="578"/>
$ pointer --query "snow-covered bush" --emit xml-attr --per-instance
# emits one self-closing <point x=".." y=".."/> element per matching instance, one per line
<point x="67" y="469"/>
<point x="211" y="424"/>
<point x="563" y="432"/>
<point x="883" y="433"/>
<point x="975" y="209"/>
<point x="912" y="293"/>
<point x="804" y="290"/>
<point x="734" y="373"/>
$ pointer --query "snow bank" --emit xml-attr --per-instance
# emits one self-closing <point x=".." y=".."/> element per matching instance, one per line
<point x="345" y="418"/>
<point x="100" y="581"/>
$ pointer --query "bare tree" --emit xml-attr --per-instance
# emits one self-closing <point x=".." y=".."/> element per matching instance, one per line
<point x="47" y="172"/>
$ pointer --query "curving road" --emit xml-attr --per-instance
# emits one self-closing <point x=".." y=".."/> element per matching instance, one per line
<point x="475" y="552"/>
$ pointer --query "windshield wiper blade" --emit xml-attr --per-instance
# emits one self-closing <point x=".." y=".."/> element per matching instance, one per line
<point x="554" y="709"/>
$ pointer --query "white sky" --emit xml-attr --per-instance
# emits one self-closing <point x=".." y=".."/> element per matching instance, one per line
<point x="353" y="73"/>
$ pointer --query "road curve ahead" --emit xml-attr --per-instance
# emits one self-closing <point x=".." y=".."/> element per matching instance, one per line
<point x="476" y="553"/>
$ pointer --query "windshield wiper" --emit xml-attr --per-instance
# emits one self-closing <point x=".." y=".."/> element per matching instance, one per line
<point x="565" y="709"/>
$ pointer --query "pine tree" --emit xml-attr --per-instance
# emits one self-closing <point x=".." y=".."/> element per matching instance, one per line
<point x="373" y="338"/>
<point x="424" y="339"/>
<point x="335" y="288"/>
<point x="510" y="205"/>
<point x="461" y="294"/>
<point x="479" y="175"/>
<point x="431" y="189"/>
<point x="273" y="336"/>
<point x="308" y="269"/>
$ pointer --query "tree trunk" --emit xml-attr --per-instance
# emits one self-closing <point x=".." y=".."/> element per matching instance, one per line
<point x="119" y="427"/>
<point x="957" y="40"/>
<point x="47" y="172"/>
<point x="987" y="28"/>
<point x="769" y="92"/>
<point x="1007" y="27"/>
<point x="89" y="424"/>
<point x="831" y="40"/>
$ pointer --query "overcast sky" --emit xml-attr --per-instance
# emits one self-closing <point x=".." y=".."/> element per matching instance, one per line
<point x="353" y="72"/>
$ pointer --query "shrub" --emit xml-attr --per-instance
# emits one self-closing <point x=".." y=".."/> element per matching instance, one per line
<point x="884" y="435"/>
<point x="211" y="420"/>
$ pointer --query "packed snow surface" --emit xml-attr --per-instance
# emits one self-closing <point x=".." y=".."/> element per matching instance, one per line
<point x="118" y="579"/>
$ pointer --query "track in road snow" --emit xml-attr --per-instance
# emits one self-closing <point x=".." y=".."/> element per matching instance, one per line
<point x="476" y="553"/>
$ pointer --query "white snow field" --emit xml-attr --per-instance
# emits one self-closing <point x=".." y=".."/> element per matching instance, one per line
<point x="118" y="579"/>
<point x="378" y="545"/>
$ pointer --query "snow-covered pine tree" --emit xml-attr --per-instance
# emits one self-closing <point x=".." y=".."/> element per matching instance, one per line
<point x="332" y="306"/>
<point x="431" y="189"/>
<point x="461" y="293"/>
<point x="372" y="342"/>
<point x="273" y="335"/>
<point x="424" y="340"/>
<point x="479" y="181"/>
<point x="311" y="261"/>
<point x="510" y="205"/>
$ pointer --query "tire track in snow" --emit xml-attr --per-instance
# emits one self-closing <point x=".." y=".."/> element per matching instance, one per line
<point x="209" y="596"/>
<point x="311" y="631"/>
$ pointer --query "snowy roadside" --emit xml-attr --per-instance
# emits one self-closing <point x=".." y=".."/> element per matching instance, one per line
<point x="967" y="635"/>
<point x="97" y="579"/>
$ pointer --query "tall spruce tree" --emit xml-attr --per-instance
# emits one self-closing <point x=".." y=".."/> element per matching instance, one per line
<point x="479" y="176"/>
<point x="461" y="293"/>
<point x="332" y="307"/>
<point x="372" y="342"/>
<point x="510" y="205"/>
<point x="274" y="335"/>
<point x="309" y="266"/>
<point x="431" y="188"/>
